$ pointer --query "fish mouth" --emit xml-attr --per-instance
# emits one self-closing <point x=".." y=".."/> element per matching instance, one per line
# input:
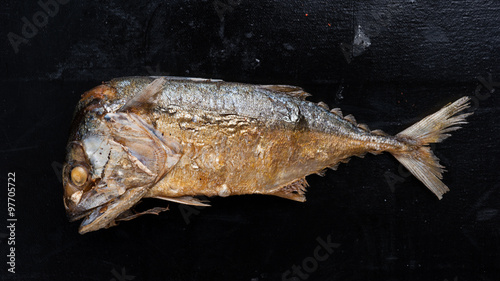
<point x="89" y="222"/>
<point x="104" y="215"/>
<point x="78" y="212"/>
<point x="84" y="205"/>
<point x="90" y="216"/>
<point x="74" y="216"/>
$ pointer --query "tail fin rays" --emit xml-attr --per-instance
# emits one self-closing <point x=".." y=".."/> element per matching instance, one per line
<point x="421" y="162"/>
<point x="434" y="127"/>
<point x="425" y="167"/>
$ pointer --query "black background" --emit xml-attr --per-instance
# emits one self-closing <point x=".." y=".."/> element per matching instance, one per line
<point x="389" y="63"/>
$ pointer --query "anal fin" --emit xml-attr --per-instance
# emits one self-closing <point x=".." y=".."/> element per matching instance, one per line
<point x="293" y="191"/>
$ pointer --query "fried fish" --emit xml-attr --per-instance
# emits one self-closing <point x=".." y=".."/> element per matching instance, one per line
<point x="178" y="139"/>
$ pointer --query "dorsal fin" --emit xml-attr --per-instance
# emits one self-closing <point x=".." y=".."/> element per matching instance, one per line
<point x="293" y="91"/>
<point x="379" y="132"/>
<point x="363" y="127"/>
<point x="337" y="112"/>
<point x="323" y="105"/>
<point x="351" y="119"/>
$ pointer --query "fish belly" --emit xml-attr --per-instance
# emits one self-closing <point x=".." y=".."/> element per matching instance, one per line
<point x="233" y="155"/>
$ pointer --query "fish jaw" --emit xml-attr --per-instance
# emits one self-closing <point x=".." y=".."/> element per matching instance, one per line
<point x="104" y="216"/>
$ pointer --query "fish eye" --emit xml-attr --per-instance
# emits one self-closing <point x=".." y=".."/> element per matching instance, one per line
<point x="79" y="175"/>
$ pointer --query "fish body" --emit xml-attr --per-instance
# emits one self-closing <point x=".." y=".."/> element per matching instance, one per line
<point x="178" y="138"/>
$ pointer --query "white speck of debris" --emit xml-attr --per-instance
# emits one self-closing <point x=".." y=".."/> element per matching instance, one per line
<point x="360" y="43"/>
<point x="224" y="191"/>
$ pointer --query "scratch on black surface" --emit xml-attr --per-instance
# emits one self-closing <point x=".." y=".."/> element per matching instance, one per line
<point x="15" y="149"/>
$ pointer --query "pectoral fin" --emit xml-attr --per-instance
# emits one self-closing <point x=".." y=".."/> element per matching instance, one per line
<point x="145" y="97"/>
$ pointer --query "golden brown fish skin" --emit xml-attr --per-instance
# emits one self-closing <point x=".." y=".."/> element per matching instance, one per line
<point x="233" y="155"/>
<point x="230" y="155"/>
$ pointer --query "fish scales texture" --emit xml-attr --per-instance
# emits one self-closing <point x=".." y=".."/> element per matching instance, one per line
<point x="269" y="149"/>
<point x="177" y="138"/>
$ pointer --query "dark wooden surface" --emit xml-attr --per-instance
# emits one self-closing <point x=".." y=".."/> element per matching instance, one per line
<point x="384" y="224"/>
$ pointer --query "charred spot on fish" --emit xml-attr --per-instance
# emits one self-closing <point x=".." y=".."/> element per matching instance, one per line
<point x="99" y="93"/>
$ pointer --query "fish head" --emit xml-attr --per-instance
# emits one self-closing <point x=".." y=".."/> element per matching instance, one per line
<point x="112" y="161"/>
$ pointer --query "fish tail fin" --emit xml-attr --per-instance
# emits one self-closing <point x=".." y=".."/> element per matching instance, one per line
<point x="421" y="162"/>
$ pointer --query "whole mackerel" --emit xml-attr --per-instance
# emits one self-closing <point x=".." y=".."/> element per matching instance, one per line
<point x="181" y="138"/>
